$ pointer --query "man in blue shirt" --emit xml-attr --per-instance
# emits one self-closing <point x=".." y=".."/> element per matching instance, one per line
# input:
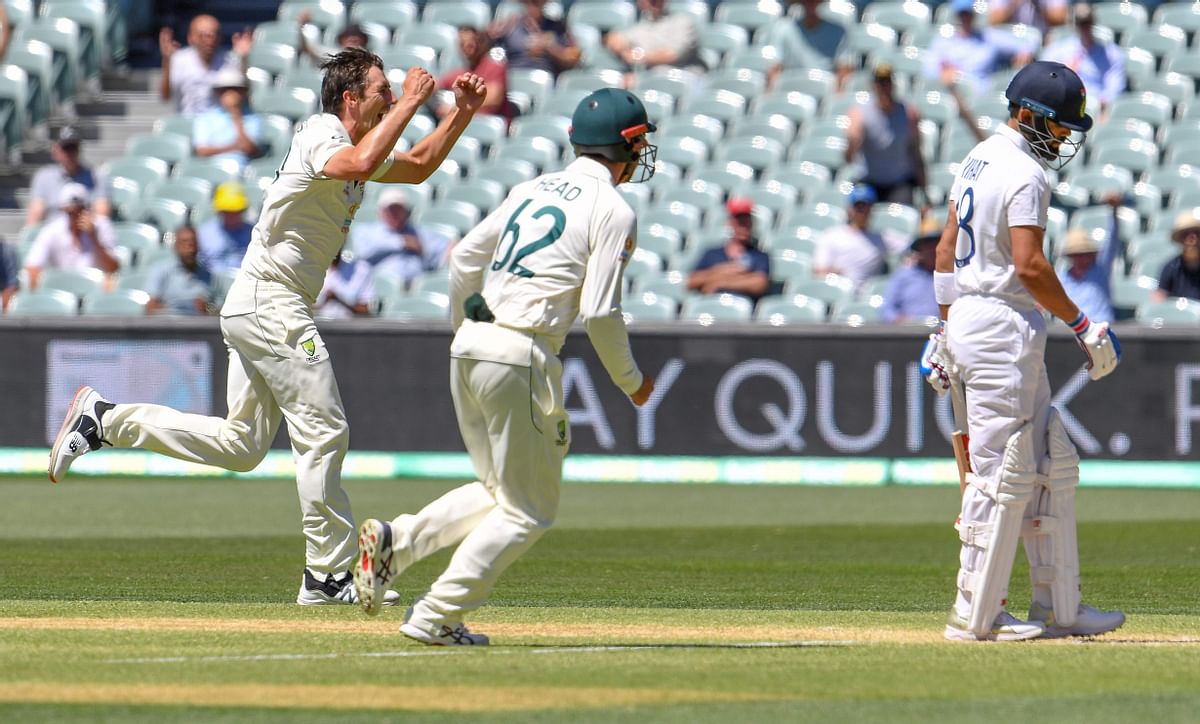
<point x="182" y="285"/>
<point x="394" y="246"/>
<point x="808" y="41"/>
<point x="737" y="267"/>
<point x="224" y="238"/>
<point x="909" y="294"/>
<point x="1099" y="64"/>
<point x="1086" y="278"/>
<point x="971" y="55"/>
<point x="1181" y="276"/>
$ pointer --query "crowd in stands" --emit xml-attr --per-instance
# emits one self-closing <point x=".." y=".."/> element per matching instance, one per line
<point x="808" y="142"/>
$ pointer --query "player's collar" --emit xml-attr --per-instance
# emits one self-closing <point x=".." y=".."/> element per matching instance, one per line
<point x="1018" y="140"/>
<point x="591" y="167"/>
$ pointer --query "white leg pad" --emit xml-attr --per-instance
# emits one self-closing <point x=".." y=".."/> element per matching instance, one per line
<point x="1049" y="531"/>
<point x="998" y="539"/>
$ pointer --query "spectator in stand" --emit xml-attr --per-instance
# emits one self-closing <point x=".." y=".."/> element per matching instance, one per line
<point x="1089" y="266"/>
<point x="74" y="239"/>
<point x="1181" y="276"/>
<point x="737" y="266"/>
<point x="909" y="294"/>
<point x="351" y="36"/>
<point x="532" y="40"/>
<point x="1041" y="14"/>
<point x="188" y="73"/>
<point x="808" y="41"/>
<point x="851" y="249"/>
<point x="1100" y="65"/>
<point x="223" y="239"/>
<point x="229" y="129"/>
<point x="9" y="268"/>
<point x="474" y="46"/>
<point x="883" y="134"/>
<point x="349" y="290"/>
<point x="658" y="39"/>
<point x="394" y="245"/>
<point x="48" y="182"/>
<point x="182" y="285"/>
<point x="970" y="55"/>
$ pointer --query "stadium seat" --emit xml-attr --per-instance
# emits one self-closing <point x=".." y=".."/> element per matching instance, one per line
<point x="829" y="151"/>
<point x="466" y="152"/>
<point x="166" y="214"/>
<point x="213" y="170"/>
<point x="777" y="127"/>
<point x="146" y="171"/>
<point x="750" y="16"/>
<point x="483" y="194"/>
<point x="537" y="84"/>
<point x="588" y="80"/>
<point x="722" y="105"/>
<point x="62" y="35"/>
<point x="489" y="130"/>
<point x="1092" y="183"/>
<point x="37" y="60"/>
<point x="278" y="59"/>
<point x="796" y="309"/>
<point x="392" y="14"/>
<point x="745" y="82"/>
<point x="430" y="306"/>
<point x="431" y="282"/>
<point x="399" y="59"/>
<point x="119" y="303"/>
<point x="458" y="13"/>
<point x="1135" y="155"/>
<point x="671" y="284"/>
<point x="1162" y="41"/>
<point x="541" y="152"/>
<point x="553" y="128"/>
<point x="604" y="15"/>
<point x="866" y="37"/>
<point x="708" y="309"/>
<point x="459" y="214"/>
<point x="324" y="13"/>
<point x="1129" y="293"/>
<point x="79" y="282"/>
<point x="723" y="39"/>
<point x="857" y="314"/>
<point x="133" y="279"/>
<point x="833" y="290"/>
<point x="796" y="106"/>
<point x="1153" y="108"/>
<point x="1173" y="312"/>
<point x="648" y="306"/>
<point x="296" y="104"/>
<point x="508" y="173"/>
<point x="170" y="147"/>
<point x="705" y="128"/>
<point x="43" y="302"/>
<point x="787" y="265"/>
<point x="1150" y="261"/>
<point x="643" y="263"/>
<point x="684" y="152"/>
<point x="897" y="218"/>
<point x="1186" y="64"/>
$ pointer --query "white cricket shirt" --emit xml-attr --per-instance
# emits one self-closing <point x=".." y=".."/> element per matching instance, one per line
<point x="1000" y="184"/>
<point x="555" y="249"/>
<point x="305" y="214"/>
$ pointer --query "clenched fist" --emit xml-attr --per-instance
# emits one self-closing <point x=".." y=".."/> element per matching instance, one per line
<point x="469" y="92"/>
<point x="419" y="84"/>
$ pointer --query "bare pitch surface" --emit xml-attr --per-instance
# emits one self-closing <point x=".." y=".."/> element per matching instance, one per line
<point x="709" y="604"/>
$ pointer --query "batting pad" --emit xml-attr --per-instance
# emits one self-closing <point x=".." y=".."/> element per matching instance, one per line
<point x="1049" y="531"/>
<point x="989" y="583"/>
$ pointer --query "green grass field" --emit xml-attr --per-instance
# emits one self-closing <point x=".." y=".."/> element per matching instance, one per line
<point x="173" y="600"/>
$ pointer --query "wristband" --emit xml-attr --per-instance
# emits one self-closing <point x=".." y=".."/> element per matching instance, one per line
<point x="944" y="290"/>
<point x="1079" y="324"/>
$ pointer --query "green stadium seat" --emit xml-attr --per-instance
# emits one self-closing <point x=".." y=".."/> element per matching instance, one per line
<point x="134" y="279"/>
<point x="278" y="59"/>
<point x="439" y="36"/>
<point x="829" y="151"/>
<point x="62" y="35"/>
<point x="37" y="60"/>
<point x="458" y="214"/>
<point x="684" y="152"/>
<point x="507" y="173"/>
<point x="1173" y="312"/>
<point x="550" y="127"/>
<point x="721" y="105"/>
<point x="483" y="194"/>
<point x="1183" y="15"/>
<point x="1175" y="180"/>
<point x="705" y="128"/>
<point x="723" y="39"/>
<point x="671" y="284"/>
<point x="392" y="14"/>
<point x="324" y="13"/>
<point x="708" y="309"/>
<point x="604" y="15"/>
<point x="648" y="307"/>
<point x="783" y="311"/>
<point x="897" y="218"/>
<point x="1186" y="64"/>
<point x="777" y="127"/>
<point x="212" y="170"/>
<point x="833" y="290"/>
<point x="1150" y="261"/>
<point x="1129" y="293"/>
<point x="812" y="82"/>
<point x="1093" y="182"/>
<point x="43" y="303"/>
<point x="857" y="314"/>
<point x="429" y="306"/>
<point x="458" y="13"/>
<point x="537" y="84"/>
<point x="1120" y="15"/>
<point x="588" y="80"/>
<point x="399" y="59"/>
<point x="745" y="82"/>
<point x="169" y="147"/>
<point x="1162" y="41"/>
<point x="295" y="104"/>
<point x="798" y="107"/>
<point x="643" y="262"/>
<point x="79" y="282"/>
<point x="541" y="152"/>
<point x="489" y="130"/>
<point x="167" y="214"/>
<point x="119" y="303"/>
<point x="14" y="104"/>
<point x="787" y="265"/>
<point x="431" y="282"/>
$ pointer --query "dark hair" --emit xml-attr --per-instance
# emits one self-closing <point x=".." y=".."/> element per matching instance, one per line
<point x="346" y="71"/>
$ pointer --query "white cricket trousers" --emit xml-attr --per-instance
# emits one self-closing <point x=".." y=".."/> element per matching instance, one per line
<point x="516" y="432"/>
<point x="278" y="366"/>
<point x="1001" y="354"/>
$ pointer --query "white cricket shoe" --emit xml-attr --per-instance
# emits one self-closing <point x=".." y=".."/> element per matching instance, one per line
<point x="1088" y="621"/>
<point x="82" y="431"/>
<point x="1006" y="628"/>
<point x="376" y="568"/>
<point x="333" y="590"/>
<point x="442" y="634"/>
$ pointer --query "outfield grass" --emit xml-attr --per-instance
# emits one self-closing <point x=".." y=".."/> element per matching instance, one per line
<point x="172" y="600"/>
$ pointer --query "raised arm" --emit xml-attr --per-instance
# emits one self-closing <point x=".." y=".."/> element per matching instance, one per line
<point x="417" y="164"/>
<point x="360" y="161"/>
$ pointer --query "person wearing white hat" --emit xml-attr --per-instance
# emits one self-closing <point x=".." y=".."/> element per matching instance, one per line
<point x="395" y="246"/>
<point x="1181" y="276"/>
<point x="1085" y="279"/>
<point x="229" y="129"/>
<point x="74" y="239"/>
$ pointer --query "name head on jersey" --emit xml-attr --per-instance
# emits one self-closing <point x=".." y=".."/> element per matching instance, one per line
<point x="1049" y="103"/>
<point x="612" y="123"/>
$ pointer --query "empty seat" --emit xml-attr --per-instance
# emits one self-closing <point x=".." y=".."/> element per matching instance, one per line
<point x="43" y="302"/>
<point x="119" y="303"/>
<point x="712" y="308"/>
<point x="79" y="282"/>
<point x="1174" y="312"/>
<point x="169" y="147"/>
<point x="429" y="306"/>
<point x="648" y="307"/>
<point x="791" y="309"/>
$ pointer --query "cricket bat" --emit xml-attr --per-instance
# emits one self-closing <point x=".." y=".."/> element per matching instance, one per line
<point x="959" y="438"/>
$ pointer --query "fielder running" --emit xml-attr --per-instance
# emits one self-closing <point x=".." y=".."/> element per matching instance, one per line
<point x="278" y="365"/>
<point x="556" y="248"/>
<point x="1025" y="467"/>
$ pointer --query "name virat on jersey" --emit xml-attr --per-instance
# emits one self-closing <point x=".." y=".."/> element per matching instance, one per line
<point x="972" y="169"/>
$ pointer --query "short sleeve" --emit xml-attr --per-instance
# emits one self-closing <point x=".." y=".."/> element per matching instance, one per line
<point x="316" y="145"/>
<point x="42" y="187"/>
<point x="708" y="259"/>
<point x="39" y="252"/>
<point x="1028" y="201"/>
<point x="761" y="263"/>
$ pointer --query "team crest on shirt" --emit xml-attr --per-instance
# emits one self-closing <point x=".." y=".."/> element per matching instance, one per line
<point x="562" y="433"/>
<point x="312" y="349"/>
<point x="626" y="252"/>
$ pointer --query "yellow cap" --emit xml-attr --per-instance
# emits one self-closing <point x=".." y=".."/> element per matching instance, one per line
<point x="230" y="196"/>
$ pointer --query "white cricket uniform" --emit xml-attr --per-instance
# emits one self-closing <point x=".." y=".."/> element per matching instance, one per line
<point x="278" y="364"/>
<point x="554" y="250"/>
<point x="994" y="331"/>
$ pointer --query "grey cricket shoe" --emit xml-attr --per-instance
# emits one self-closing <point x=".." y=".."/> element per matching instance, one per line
<point x="334" y="590"/>
<point x="443" y="635"/>
<point x="376" y="568"/>
<point x="1088" y="621"/>
<point x="82" y="431"/>
<point x="1006" y="628"/>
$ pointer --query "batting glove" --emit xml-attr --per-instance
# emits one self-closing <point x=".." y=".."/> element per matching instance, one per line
<point x="1099" y="343"/>
<point x="936" y="363"/>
